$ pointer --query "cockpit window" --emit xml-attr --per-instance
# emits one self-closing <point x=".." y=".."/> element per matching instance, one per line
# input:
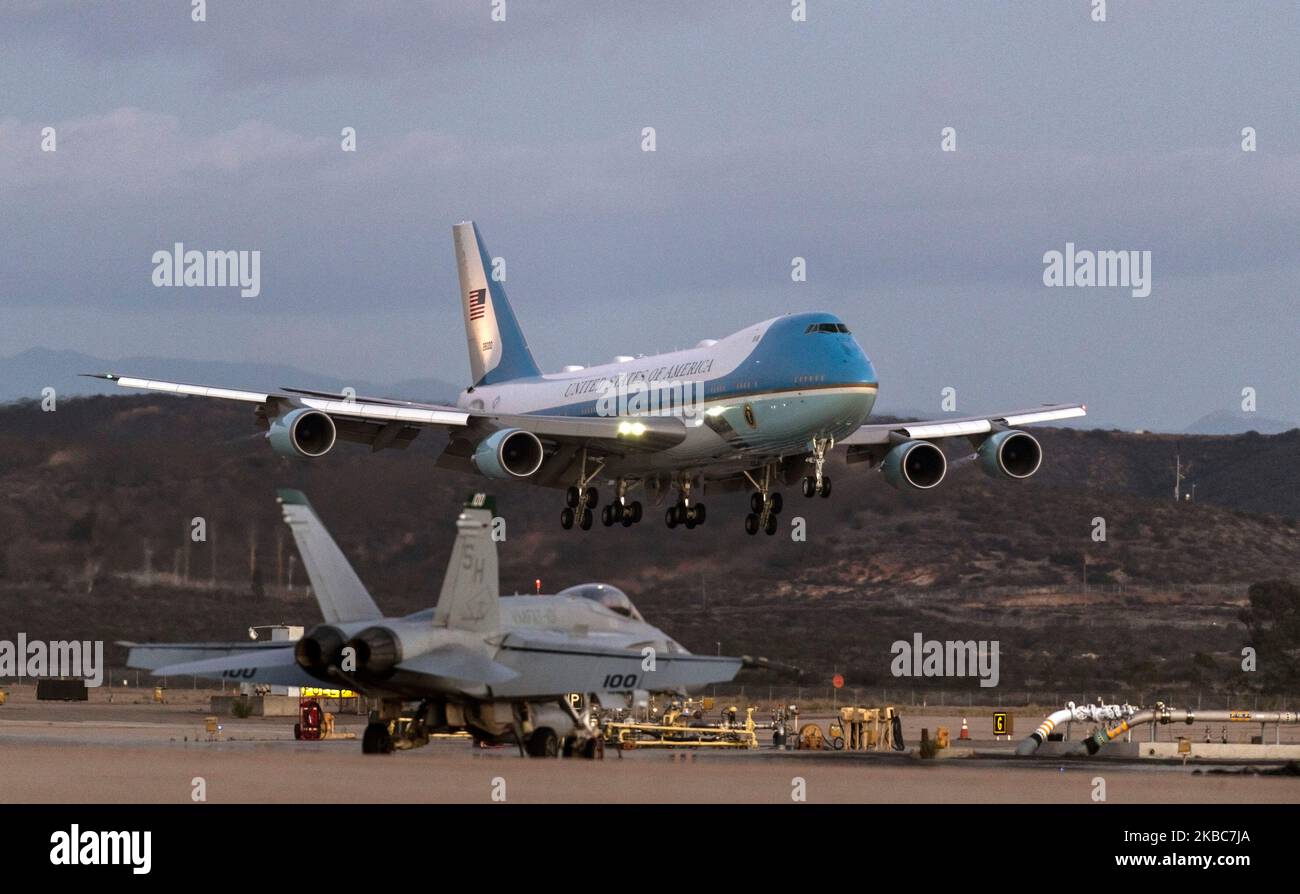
<point x="612" y="598"/>
<point x="827" y="327"/>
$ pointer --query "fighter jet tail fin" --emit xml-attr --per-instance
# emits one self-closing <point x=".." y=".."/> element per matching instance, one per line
<point x="339" y="591"/>
<point x="470" y="598"/>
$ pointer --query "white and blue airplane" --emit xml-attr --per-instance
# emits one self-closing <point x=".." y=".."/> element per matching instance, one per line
<point x="756" y="410"/>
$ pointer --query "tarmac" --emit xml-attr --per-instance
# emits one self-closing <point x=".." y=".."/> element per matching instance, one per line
<point x="136" y="751"/>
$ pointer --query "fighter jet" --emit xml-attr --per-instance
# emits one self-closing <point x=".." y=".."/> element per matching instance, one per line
<point x="503" y="669"/>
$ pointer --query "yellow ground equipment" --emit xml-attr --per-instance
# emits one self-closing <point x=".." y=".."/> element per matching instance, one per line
<point x="682" y="726"/>
<point x="855" y="729"/>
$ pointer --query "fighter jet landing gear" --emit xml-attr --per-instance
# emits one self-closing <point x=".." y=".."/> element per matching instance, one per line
<point x="621" y="511"/>
<point x="686" y="512"/>
<point x="764" y="504"/>
<point x="581" y="498"/>
<point x="818" y="484"/>
<point x="376" y="739"/>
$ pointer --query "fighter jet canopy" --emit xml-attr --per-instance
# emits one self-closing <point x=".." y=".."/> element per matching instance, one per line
<point x="611" y="597"/>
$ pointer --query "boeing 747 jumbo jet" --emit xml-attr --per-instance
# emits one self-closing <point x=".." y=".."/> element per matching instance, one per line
<point x="756" y="410"/>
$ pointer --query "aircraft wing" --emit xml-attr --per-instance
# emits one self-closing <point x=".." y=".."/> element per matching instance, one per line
<point x="884" y="432"/>
<point x="385" y="422"/>
<point x="238" y="662"/>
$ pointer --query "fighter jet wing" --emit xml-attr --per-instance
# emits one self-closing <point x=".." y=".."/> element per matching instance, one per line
<point x="884" y="432"/>
<point x="238" y="662"/>
<point x="385" y="422"/>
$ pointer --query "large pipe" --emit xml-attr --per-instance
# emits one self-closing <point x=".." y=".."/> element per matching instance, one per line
<point x="1163" y="714"/>
<point x="1116" y="720"/>
<point x="1098" y="713"/>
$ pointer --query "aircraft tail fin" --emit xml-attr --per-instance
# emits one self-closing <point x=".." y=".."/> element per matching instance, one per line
<point x="470" y="598"/>
<point x="339" y="591"/>
<point x="498" y="351"/>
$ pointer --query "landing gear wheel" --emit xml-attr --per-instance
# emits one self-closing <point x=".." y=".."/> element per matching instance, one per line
<point x="826" y="487"/>
<point x="690" y="518"/>
<point x="594" y="749"/>
<point x="699" y="513"/>
<point x="756" y="502"/>
<point x="751" y="524"/>
<point x="770" y="527"/>
<point x="571" y="497"/>
<point x="593" y="497"/>
<point x="810" y="486"/>
<point x="297" y="730"/>
<point x="376" y="739"/>
<point x="585" y="521"/>
<point x="777" y="502"/>
<point x="670" y="517"/>
<point x="607" y="515"/>
<point x="627" y="520"/>
<point x="636" y="511"/>
<point x="543" y="743"/>
<point x="566" y="518"/>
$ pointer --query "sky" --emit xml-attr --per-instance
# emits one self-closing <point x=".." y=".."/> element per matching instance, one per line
<point x="774" y="139"/>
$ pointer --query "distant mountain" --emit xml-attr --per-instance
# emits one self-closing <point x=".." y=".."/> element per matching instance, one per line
<point x="25" y="375"/>
<point x="1226" y="422"/>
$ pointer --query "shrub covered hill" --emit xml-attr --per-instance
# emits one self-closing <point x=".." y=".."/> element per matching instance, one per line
<point x="97" y="501"/>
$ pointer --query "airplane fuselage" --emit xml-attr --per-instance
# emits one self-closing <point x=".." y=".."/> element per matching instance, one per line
<point x="767" y="390"/>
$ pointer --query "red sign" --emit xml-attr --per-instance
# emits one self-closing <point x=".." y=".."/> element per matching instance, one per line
<point x="838" y="681"/>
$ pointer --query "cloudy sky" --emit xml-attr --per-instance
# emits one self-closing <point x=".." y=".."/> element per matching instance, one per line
<point x="775" y="139"/>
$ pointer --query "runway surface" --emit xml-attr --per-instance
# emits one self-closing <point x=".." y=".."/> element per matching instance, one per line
<point x="143" y="752"/>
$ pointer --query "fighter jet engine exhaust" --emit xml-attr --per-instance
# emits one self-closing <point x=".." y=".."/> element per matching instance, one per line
<point x="509" y="453"/>
<point x="319" y="649"/>
<point x="304" y="433"/>
<point x="915" y="464"/>
<point x="1010" y="454"/>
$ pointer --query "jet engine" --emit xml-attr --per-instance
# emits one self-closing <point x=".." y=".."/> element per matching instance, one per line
<point x="917" y="464"/>
<point x="1010" y="454"/>
<point x="303" y="432"/>
<point x="509" y="453"/>
<point x="319" y="649"/>
<point x="380" y="648"/>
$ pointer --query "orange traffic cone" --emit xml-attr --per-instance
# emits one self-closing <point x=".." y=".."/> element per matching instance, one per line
<point x="965" y="730"/>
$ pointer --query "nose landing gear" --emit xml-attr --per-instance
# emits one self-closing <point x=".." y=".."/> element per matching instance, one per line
<point x="818" y="484"/>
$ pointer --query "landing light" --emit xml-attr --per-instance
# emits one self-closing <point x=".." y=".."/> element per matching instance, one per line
<point x="635" y="429"/>
<point x="715" y="411"/>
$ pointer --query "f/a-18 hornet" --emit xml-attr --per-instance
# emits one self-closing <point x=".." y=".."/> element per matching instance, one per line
<point x="501" y="668"/>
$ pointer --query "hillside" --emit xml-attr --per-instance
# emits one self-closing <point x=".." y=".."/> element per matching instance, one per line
<point x="96" y="502"/>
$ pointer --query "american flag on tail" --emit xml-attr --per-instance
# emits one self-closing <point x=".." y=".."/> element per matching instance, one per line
<point x="477" y="304"/>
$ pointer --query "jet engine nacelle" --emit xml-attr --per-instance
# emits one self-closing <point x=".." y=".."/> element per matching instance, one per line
<point x="303" y="432"/>
<point x="509" y="453"/>
<point x="1010" y="454"/>
<point x="381" y="647"/>
<point x="915" y="464"/>
<point x="322" y="647"/>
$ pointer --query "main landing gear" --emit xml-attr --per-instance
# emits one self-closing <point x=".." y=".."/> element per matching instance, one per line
<point x="764" y="504"/>
<point x="686" y="512"/>
<point x="818" y="484"/>
<point x="580" y="498"/>
<point x="621" y="511"/>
